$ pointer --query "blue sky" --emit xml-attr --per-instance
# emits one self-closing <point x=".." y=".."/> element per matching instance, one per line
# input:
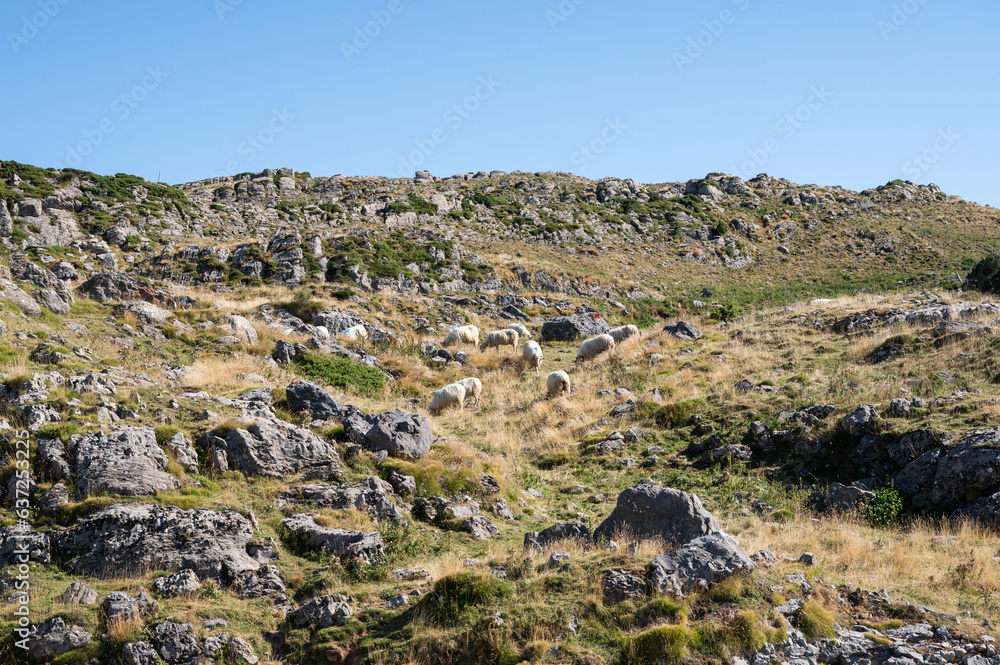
<point x="850" y="93"/>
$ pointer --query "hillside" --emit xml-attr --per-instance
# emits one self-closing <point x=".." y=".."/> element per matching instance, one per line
<point x="218" y="445"/>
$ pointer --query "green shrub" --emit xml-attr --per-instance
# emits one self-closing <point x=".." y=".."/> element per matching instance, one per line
<point x="341" y="373"/>
<point x="663" y="607"/>
<point x="985" y="275"/>
<point x="885" y="509"/>
<point x="342" y="294"/>
<point x="453" y="594"/>
<point x="815" y="621"/>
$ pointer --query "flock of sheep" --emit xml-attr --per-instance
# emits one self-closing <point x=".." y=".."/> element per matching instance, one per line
<point x="556" y="384"/>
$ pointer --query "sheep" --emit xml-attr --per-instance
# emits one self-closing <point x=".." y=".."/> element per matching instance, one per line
<point x="521" y="329"/>
<point x="594" y="347"/>
<point x="462" y="335"/>
<point x="531" y="353"/>
<point x="473" y="388"/>
<point x="499" y="338"/>
<point x="622" y="333"/>
<point x="451" y="395"/>
<point x="557" y="383"/>
<point x="354" y="333"/>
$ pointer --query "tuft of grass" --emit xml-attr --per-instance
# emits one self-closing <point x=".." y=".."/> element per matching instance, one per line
<point x="666" y="644"/>
<point x="453" y="594"/>
<point x="815" y="621"/>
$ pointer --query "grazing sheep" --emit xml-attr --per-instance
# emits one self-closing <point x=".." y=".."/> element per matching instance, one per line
<point x="594" y="347"/>
<point x="622" y="333"/>
<point x="531" y="353"/>
<point x="499" y="338"/>
<point x="462" y="335"/>
<point x="557" y="383"/>
<point x="473" y="388"/>
<point x="354" y="333"/>
<point x="521" y="329"/>
<point x="451" y="395"/>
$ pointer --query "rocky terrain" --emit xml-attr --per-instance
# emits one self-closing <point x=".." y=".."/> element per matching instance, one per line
<point x="218" y="445"/>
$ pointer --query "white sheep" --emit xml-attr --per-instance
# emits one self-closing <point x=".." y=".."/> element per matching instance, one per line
<point x="557" y="383"/>
<point x="531" y="353"/>
<point x="451" y="395"/>
<point x="622" y="333"/>
<point x="354" y="333"/>
<point x="473" y="388"/>
<point x="521" y="329"/>
<point x="462" y="335"/>
<point x="499" y="338"/>
<point x="594" y="347"/>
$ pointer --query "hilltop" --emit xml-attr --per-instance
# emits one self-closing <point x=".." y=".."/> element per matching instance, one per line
<point x="222" y="390"/>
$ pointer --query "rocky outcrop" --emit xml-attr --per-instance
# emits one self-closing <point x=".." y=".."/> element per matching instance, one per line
<point x="274" y="448"/>
<point x="311" y="398"/>
<point x="372" y="496"/>
<point x="129" y="539"/>
<point x="182" y="583"/>
<point x="574" y="328"/>
<point x="699" y="564"/>
<point x="109" y="286"/>
<point x="54" y="638"/>
<point x="648" y="511"/>
<point x="124" y="462"/>
<point x="348" y="545"/>
<point x="396" y="432"/>
<point x="322" y="612"/>
<point x="683" y="331"/>
<point x="575" y="530"/>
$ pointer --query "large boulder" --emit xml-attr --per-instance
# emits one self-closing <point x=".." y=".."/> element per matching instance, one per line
<point x="129" y="539"/>
<point x="683" y="330"/>
<point x="124" y="462"/>
<point x="18" y="538"/>
<point x="146" y="312"/>
<point x="54" y="638"/>
<point x="176" y="642"/>
<point x="699" y="564"/>
<point x="109" y="286"/>
<point x="969" y="470"/>
<point x="12" y="292"/>
<point x="861" y="421"/>
<point x="240" y="327"/>
<point x="52" y="301"/>
<point x="348" y="545"/>
<point x="322" y="612"/>
<point x="274" y="448"/>
<point x="372" y="496"/>
<point x="336" y="320"/>
<point x="575" y="530"/>
<point x="648" y="511"/>
<point x="573" y="328"/>
<point x="311" y="398"/>
<point x="396" y="432"/>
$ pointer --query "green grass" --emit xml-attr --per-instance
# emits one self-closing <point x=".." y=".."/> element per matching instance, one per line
<point x="453" y="594"/>
<point x="341" y="373"/>
<point x="815" y="621"/>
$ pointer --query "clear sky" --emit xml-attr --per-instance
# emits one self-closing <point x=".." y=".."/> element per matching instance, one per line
<point x="844" y="93"/>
